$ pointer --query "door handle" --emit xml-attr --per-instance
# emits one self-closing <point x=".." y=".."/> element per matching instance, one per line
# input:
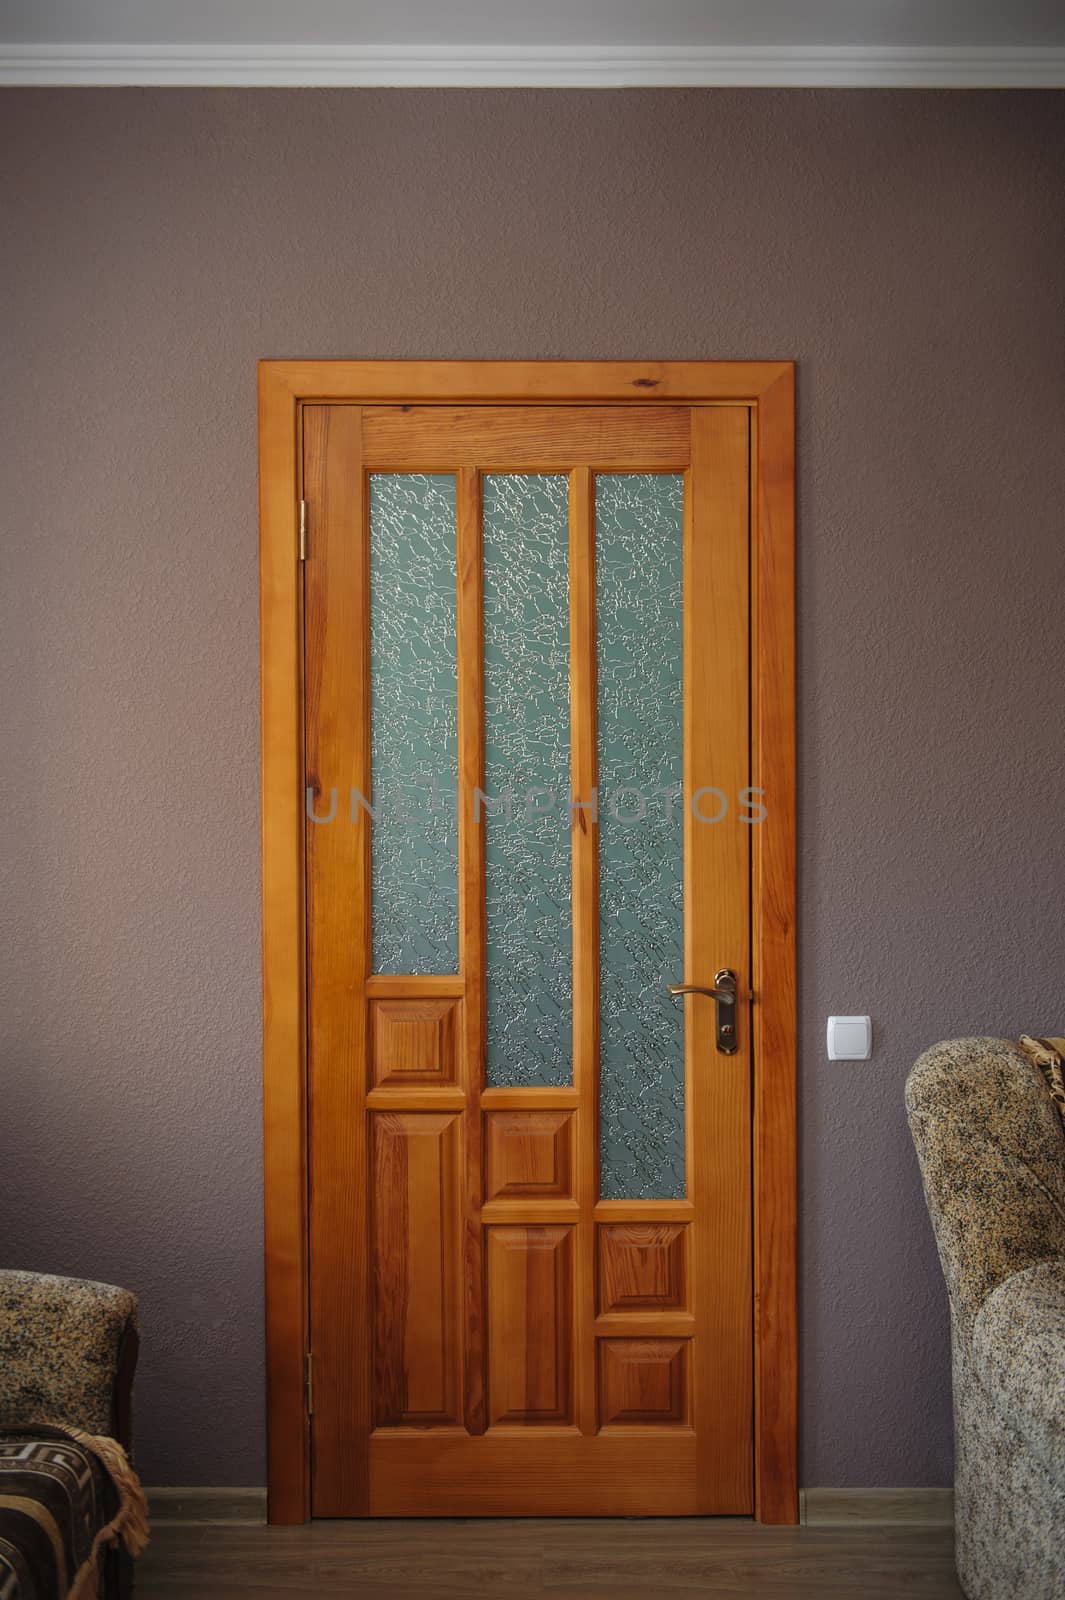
<point x="724" y="996"/>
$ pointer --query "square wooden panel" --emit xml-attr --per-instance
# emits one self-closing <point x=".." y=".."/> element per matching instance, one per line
<point x="412" y="1042"/>
<point x="643" y="1381"/>
<point x="529" y="1155"/>
<point x="643" y="1266"/>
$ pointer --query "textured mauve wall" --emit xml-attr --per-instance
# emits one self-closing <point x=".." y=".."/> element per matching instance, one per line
<point x="906" y="248"/>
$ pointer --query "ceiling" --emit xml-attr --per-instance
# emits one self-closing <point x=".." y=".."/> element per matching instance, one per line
<point x="550" y="41"/>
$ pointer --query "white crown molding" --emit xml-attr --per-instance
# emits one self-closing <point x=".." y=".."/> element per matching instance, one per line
<point x="462" y="66"/>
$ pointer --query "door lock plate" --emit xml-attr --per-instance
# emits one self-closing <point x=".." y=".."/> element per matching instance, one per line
<point x="723" y="995"/>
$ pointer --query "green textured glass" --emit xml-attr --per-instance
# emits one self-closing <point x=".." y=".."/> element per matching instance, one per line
<point x="639" y="576"/>
<point x="414" y="722"/>
<point x="529" y="975"/>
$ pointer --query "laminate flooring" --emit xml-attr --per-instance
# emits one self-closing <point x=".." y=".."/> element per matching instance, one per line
<point x="631" y="1559"/>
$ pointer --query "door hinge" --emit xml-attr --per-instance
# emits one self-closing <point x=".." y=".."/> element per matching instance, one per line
<point x="303" y="530"/>
<point x="309" y="1384"/>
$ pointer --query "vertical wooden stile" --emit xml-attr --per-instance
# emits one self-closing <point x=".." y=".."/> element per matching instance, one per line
<point x="285" y="1152"/>
<point x="585" y="837"/>
<point x="338" y="952"/>
<point x="717" y="934"/>
<point x="470" y="646"/>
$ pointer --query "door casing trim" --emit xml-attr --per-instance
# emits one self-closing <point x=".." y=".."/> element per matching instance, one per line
<point x="768" y="388"/>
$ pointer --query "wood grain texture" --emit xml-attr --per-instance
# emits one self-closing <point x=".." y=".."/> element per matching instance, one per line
<point x="584" y="835"/>
<point x="644" y="1211"/>
<point x="530" y="1325"/>
<point x="417" y="1269"/>
<point x="775" y="954"/>
<point x="526" y="1210"/>
<point x="525" y="438"/>
<point x="409" y="986"/>
<point x="417" y="1097"/>
<point x="284" y="1021"/>
<point x="642" y="1472"/>
<point x="717" y="934"/>
<point x="413" y="1042"/>
<point x="338" y="956"/>
<point x="643" y="1267"/>
<point x="566" y="1559"/>
<point x="531" y="1099"/>
<point x="532" y="382"/>
<point x="469" y="562"/>
<point x="645" y="1324"/>
<point x="528" y="1155"/>
<point x="643" y="1382"/>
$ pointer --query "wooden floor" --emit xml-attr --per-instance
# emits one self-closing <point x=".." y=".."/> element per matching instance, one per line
<point x="566" y="1560"/>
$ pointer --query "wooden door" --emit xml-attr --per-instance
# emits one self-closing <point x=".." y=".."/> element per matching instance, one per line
<point x="530" y="1258"/>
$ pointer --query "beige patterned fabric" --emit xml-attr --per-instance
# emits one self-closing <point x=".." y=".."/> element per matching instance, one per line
<point x="1017" y="1355"/>
<point x="60" y="1340"/>
<point x="992" y="1151"/>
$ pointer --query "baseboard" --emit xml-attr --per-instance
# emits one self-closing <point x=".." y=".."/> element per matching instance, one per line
<point x="345" y="64"/>
<point x="834" y="1508"/>
<point x="206" y="1505"/>
<point x="818" y="1508"/>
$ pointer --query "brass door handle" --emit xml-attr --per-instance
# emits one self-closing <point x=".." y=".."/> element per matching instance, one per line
<point x="724" y="995"/>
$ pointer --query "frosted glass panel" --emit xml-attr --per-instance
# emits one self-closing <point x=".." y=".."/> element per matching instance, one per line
<point x="414" y="709"/>
<point x="639" y="560"/>
<point x="527" y="849"/>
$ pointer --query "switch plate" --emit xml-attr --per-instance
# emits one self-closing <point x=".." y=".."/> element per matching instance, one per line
<point x="850" y="1038"/>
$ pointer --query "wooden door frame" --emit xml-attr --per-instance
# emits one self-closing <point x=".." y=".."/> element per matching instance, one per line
<point x="768" y="388"/>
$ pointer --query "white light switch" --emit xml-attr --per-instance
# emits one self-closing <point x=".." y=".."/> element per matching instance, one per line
<point x="850" y="1038"/>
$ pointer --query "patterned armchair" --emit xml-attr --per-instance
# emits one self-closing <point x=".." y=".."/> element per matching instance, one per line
<point x="67" y="1354"/>
<point x="991" y="1146"/>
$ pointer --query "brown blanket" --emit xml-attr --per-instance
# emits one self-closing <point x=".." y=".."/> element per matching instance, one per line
<point x="63" y="1496"/>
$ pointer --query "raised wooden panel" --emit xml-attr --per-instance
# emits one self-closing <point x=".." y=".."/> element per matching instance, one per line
<point x="643" y="1381"/>
<point x="529" y="1155"/>
<point x="412" y="1042"/>
<point x="643" y="1266"/>
<point x="530" y="1324"/>
<point x="537" y="1472"/>
<point x="416" y="1269"/>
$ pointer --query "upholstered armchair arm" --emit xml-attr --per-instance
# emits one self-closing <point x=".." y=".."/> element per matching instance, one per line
<point x="66" y="1352"/>
<point x="990" y="1146"/>
<point x="1018" y="1339"/>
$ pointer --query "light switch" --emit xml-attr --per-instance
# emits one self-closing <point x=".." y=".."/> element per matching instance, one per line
<point x="850" y="1038"/>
